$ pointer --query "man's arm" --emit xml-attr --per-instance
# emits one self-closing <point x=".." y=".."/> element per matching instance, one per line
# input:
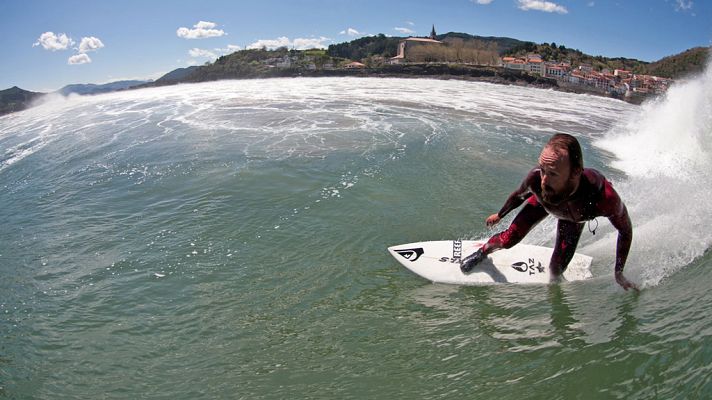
<point x="516" y="198"/>
<point x="625" y="238"/>
<point x="618" y="215"/>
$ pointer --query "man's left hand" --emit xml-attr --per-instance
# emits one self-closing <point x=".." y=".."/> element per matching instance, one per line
<point x="625" y="283"/>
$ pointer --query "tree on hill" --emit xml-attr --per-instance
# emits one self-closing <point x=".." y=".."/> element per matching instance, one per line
<point x="456" y="50"/>
<point x="379" y="45"/>
<point x="503" y="44"/>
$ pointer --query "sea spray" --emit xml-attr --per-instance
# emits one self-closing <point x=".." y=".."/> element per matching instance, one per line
<point x="666" y="152"/>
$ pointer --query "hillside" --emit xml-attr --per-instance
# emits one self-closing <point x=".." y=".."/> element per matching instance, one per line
<point x="176" y="75"/>
<point x="680" y="65"/>
<point x="552" y="52"/>
<point x="677" y="66"/>
<point x="367" y="46"/>
<point x="255" y="63"/>
<point x="384" y="46"/>
<point x="16" y="99"/>
<point x="503" y="44"/>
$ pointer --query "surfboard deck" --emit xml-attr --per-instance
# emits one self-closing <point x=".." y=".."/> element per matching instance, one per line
<point x="439" y="261"/>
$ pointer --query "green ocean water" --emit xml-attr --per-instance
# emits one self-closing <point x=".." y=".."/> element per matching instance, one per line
<point x="228" y="240"/>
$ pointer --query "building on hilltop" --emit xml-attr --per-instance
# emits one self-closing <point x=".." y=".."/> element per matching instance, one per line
<point x="406" y="46"/>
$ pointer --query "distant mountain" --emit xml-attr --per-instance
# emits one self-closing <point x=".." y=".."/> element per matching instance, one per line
<point x="90" y="88"/>
<point x="176" y="75"/>
<point x="16" y="99"/>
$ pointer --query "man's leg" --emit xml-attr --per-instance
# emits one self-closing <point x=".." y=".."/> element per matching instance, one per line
<point x="567" y="237"/>
<point x="530" y="215"/>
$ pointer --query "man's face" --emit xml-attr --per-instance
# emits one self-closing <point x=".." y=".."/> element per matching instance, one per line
<point x="557" y="181"/>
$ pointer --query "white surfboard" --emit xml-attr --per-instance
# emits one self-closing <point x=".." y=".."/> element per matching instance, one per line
<point x="439" y="261"/>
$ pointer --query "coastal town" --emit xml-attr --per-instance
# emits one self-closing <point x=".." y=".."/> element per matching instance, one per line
<point x="618" y="82"/>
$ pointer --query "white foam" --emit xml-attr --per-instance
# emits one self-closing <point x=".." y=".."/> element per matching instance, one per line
<point x="666" y="152"/>
<point x="312" y="117"/>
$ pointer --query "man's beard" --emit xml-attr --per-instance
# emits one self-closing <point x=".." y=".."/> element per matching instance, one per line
<point x="551" y="197"/>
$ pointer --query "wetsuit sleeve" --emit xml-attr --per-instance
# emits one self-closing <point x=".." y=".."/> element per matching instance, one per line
<point x="518" y="196"/>
<point x="612" y="207"/>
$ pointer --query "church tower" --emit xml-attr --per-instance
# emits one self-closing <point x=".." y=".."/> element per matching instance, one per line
<point x="432" y="33"/>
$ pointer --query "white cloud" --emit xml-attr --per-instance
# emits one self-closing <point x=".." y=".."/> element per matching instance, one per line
<point x="53" y="42"/>
<point x="271" y="43"/>
<point x="214" y="53"/>
<point x="540" y="5"/>
<point x="313" y="43"/>
<point x="483" y="2"/>
<point x="79" y="59"/>
<point x="205" y="25"/>
<point x="405" y="31"/>
<point x="298" y="43"/>
<point x="90" y="44"/>
<point x="201" y="53"/>
<point x="202" y="30"/>
<point x="683" y="5"/>
<point x="350" y="32"/>
<point x="411" y="23"/>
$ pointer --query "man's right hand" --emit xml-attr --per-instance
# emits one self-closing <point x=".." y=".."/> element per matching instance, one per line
<point x="493" y="220"/>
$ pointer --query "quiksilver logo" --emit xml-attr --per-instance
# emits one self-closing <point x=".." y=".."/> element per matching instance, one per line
<point x="411" y="254"/>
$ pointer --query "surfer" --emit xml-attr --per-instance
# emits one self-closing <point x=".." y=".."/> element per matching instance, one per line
<point x="562" y="187"/>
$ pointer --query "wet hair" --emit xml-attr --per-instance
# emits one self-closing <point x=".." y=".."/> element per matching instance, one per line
<point x="563" y="141"/>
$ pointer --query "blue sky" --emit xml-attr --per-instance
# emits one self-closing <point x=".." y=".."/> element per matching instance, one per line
<point x="49" y="44"/>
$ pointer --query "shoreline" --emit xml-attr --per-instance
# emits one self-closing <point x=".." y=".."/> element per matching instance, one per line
<point x="463" y="72"/>
<point x="488" y="74"/>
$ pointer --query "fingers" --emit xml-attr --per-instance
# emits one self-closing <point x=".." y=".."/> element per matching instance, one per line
<point x="492" y="220"/>
<point x="626" y="284"/>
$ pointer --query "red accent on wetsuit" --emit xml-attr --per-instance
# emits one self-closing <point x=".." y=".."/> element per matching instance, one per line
<point x="593" y="198"/>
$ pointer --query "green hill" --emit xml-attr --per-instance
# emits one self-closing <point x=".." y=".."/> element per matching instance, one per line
<point x="552" y="52"/>
<point x="680" y="65"/>
<point x="503" y="44"/>
<point x="677" y="66"/>
<point x="16" y="99"/>
<point x="367" y="46"/>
